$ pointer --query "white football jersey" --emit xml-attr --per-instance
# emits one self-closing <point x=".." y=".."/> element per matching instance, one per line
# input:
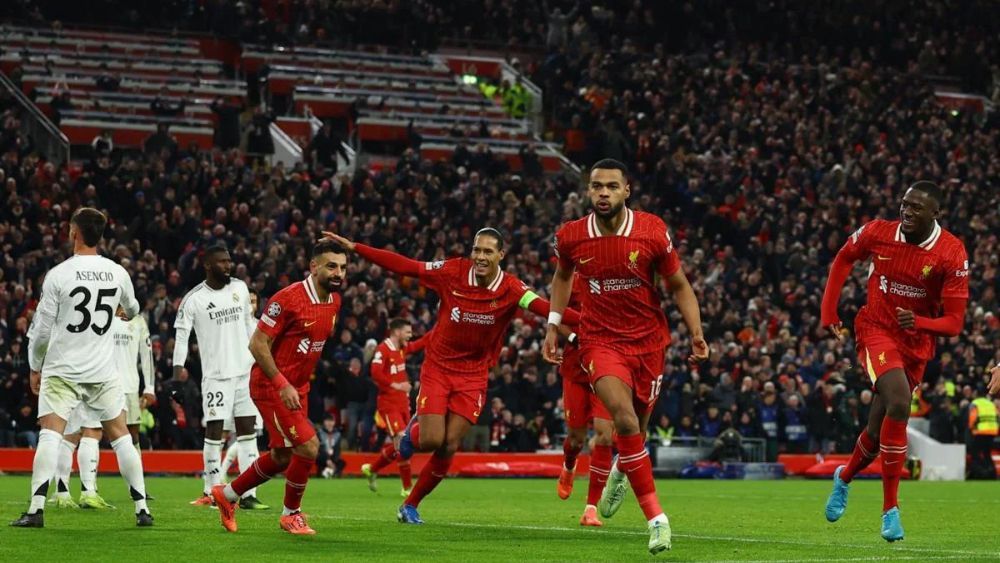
<point x="133" y="348"/>
<point x="221" y="321"/>
<point x="70" y="335"/>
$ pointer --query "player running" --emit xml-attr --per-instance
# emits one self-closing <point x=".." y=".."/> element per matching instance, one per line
<point x="286" y="346"/>
<point x="72" y="361"/>
<point x="478" y="302"/>
<point x="583" y="408"/>
<point x="218" y="310"/>
<point x="618" y="253"/>
<point x="917" y="270"/>
<point x="388" y="371"/>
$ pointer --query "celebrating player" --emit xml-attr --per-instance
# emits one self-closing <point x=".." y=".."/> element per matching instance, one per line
<point x="219" y="312"/>
<point x="388" y="371"/>
<point x="917" y="268"/>
<point x="583" y="408"/>
<point x="286" y="346"/>
<point x="72" y="361"/>
<point x="478" y="301"/>
<point x="618" y="253"/>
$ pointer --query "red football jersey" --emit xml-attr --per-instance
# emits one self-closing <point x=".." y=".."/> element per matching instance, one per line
<point x="910" y="276"/>
<point x="388" y="366"/>
<point x="622" y="307"/>
<point x="299" y="324"/>
<point x="472" y="320"/>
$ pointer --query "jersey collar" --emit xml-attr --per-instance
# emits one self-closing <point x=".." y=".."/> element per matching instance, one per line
<point x="311" y="291"/>
<point x="927" y="244"/>
<point x="388" y="342"/>
<point x="624" y="230"/>
<point x="493" y="286"/>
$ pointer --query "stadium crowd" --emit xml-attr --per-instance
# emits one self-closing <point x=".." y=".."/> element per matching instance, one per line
<point x="761" y="159"/>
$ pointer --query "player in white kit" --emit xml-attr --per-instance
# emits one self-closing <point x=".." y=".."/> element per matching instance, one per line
<point x="218" y="310"/>
<point x="132" y="348"/>
<point x="71" y="355"/>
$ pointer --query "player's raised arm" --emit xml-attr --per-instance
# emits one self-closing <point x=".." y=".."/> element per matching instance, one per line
<point x="385" y="258"/>
<point x="853" y="250"/>
<point x="418" y="344"/>
<point x="541" y="306"/>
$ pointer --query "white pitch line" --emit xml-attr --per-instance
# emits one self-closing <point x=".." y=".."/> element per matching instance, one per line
<point x="882" y="558"/>
<point x="956" y="552"/>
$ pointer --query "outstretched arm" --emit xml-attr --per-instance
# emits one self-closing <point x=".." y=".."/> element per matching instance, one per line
<point x="948" y="324"/>
<point x="839" y="270"/>
<point x="541" y="307"/>
<point x="562" y="285"/>
<point x="387" y="259"/>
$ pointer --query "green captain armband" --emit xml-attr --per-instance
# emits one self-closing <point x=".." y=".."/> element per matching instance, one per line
<point x="526" y="299"/>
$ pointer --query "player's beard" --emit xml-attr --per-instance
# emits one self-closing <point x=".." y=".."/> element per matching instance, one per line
<point x="613" y="211"/>
<point x="333" y="284"/>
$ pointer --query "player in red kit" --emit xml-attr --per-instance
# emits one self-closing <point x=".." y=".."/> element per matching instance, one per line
<point x="478" y="302"/>
<point x="288" y="342"/>
<point x="918" y="287"/>
<point x="388" y="371"/>
<point x="623" y="332"/>
<point x="583" y="408"/>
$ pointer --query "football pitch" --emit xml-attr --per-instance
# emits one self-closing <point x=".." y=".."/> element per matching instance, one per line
<point x="516" y="520"/>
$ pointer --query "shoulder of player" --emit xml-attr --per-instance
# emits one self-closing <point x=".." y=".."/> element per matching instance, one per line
<point x="572" y="229"/>
<point x="950" y="246"/>
<point x="191" y="295"/>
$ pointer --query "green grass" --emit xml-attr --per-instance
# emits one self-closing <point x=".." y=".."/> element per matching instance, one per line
<point x="517" y="520"/>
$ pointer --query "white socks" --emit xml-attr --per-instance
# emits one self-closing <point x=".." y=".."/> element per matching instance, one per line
<point x="64" y="467"/>
<point x="87" y="457"/>
<point x="247" y="449"/>
<point x="130" y="466"/>
<point x="228" y="459"/>
<point x="231" y="495"/>
<point x="285" y="511"/>
<point x="662" y="518"/>
<point x="43" y="467"/>
<point x="615" y="474"/>
<point x="211" y="453"/>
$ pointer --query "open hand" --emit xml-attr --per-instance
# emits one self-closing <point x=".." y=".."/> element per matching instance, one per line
<point x="346" y="243"/>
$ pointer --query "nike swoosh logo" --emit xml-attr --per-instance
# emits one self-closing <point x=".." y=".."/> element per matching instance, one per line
<point x="456" y="294"/>
<point x="885" y="258"/>
<point x="585" y="260"/>
<point x="310" y="324"/>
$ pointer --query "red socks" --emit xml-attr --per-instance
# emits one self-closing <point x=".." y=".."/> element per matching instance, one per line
<point x="600" y="468"/>
<point x="296" y="478"/>
<point x="262" y="470"/>
<point x="387" y="456"/>
<point x="893" y="448"/>
<point x="569" y="454"/>
<point x="405" y="474"/>
<point x="385" y="459"/>
<point x="864" y="453"/>
<point x="432" y="474"/>
<point x="633" y="460"/>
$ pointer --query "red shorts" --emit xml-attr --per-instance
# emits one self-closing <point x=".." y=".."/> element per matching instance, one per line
<point x="879" y="352"/>
<point x="579" y="400"/>
<point x="443" y="393"/>
<point x="643" y="373"/>
<point x="285" y="428"/>
<point x="392" y="420"/>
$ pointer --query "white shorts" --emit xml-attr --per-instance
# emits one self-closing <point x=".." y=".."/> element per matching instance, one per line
<point x="230" y="424"/>
<point x="223" y="399"/>
<point x="133" y="414"/>
<point x="81" y="418"/>
<point x="97" y="401"/>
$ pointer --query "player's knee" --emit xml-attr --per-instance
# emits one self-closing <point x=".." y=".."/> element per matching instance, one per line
<point x="897" y="409"/>
<point x="308" y="450"/>
<point x="282" y="456"/>
<point x="213" y="430"/>
<point x="577" y="437"/>
<point x="626" y="423"/>
<point x="449" y="448"/>
<point x="603" y="435"/>
<point x="430" y="442"/>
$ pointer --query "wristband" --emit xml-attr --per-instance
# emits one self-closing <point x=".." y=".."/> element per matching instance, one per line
<point x="279" y="381"/>
<point x="555" y="318"/>
<point x="571" y="338"/>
